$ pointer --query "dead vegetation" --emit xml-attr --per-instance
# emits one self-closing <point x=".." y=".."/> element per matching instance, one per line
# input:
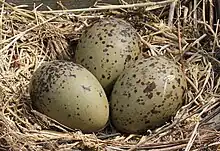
<point x="183" y="30"/>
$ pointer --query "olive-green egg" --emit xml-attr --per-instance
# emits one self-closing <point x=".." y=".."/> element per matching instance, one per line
<point x="106" y="47"/>
<point x="147" y="94"/>
<point x="70" y="94"/>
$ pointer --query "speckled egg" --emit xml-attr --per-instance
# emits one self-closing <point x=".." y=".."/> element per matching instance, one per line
<point x="105" y="48"/>
<point x="147" y="94"/>
<point x="70" y="94"/>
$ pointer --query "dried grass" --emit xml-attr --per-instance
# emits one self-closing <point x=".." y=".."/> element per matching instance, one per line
<point x="180" y="31"/>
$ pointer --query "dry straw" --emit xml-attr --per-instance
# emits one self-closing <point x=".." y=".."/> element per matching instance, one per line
<point x="180" y="30"/>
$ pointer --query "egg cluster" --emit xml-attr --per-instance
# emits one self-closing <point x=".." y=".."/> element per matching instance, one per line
<point x="143" y="93"/>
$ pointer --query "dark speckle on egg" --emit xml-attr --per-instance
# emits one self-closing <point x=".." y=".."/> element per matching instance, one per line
<point x="138" y="81"/>
<point x="110" y="34"/>
<point x="105" y="50"/>
<point x="128" y="58"/>
<point x="158" y="93"/>
<point x="123" y="40"/>
<point x="149" y="95"/>
<point x="154" y="111"/>
<point x="178" y="80"/>
<point x="109" y="46"/>
<point x="150" y="87"/>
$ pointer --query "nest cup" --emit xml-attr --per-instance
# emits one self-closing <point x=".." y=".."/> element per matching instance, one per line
<point x="176" y="30"/>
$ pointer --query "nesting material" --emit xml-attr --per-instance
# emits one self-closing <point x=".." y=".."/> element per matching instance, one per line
<point x="29" y="38"/>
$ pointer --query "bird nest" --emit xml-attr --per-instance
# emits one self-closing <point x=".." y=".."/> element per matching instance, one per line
<point x="181" y="30"/>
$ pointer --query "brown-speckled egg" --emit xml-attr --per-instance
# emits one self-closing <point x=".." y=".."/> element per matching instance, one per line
<point x="105" y="48"/>
<point x="70" y="94"/>
<point x="147" y="94"/>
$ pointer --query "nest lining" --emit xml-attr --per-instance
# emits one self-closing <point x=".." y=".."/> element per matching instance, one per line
<point x="29" y="38"/>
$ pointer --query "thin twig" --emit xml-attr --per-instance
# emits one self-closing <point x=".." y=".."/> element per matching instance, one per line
<point x="171" y="14"/>
<point x="194" y="134"/>
<point x="211" y="12"/>
<point x="111" y="7"/>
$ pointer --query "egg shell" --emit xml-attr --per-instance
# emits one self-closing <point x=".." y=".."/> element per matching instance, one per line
<point x="147" y="94"/>
<point x="106" y="47"/>
<point x="70" y="94"/>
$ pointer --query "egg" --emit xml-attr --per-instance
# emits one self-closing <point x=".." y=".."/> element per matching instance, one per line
<point x="147" y="94"/>
<point x="70" y="94"/>
<point x="106" y="47"/>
